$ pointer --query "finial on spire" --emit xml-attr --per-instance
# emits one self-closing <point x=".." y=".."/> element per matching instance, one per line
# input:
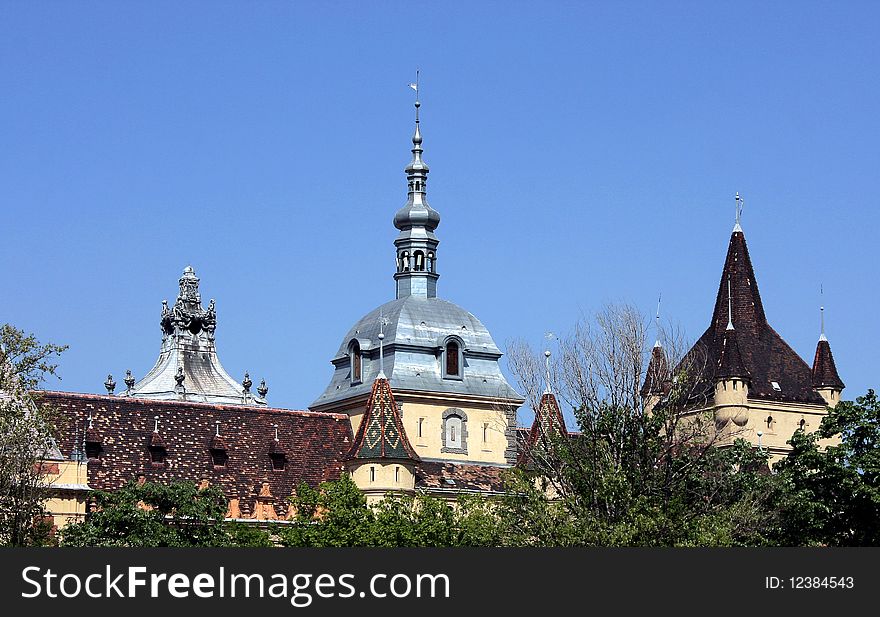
<point x="415" y="86"/>
<point x="110" y="384"/>
<point x="216" y="428"/>
<point x="155" y="424"/>
<point x="547" y="371"/>
<point x="739" y="209"/>
<point x="276" y="431"/>
<point x="657" y="321"/>
<point x="381" y="346"/>
<point x="729" y="306"/>
<point x="822" y="336"/>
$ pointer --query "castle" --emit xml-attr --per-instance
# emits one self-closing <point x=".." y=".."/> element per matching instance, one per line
<point x="417" y="400"/>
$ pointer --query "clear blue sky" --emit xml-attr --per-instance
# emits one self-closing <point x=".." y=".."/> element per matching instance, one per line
<point x="580" y="153"/>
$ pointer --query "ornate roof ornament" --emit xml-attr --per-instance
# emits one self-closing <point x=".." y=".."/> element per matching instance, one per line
<point x="262" y="389"/>
<point x="110" y="384"/>
<point x="188" y="367"/>
<point x="129" y="380"/>
<point x="247" y="383"/>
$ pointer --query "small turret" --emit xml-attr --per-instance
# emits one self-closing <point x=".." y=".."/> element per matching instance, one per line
<point x="731" y="377"/>
<point x="826" y="381"/>
<point x="381" y="459"/>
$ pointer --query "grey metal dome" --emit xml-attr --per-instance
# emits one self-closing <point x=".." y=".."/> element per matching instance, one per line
<point x="416" y="331"/>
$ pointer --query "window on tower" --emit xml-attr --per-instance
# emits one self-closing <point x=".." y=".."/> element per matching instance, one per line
<point x="454" y="431"/>
<point x="452" y="360"/>
<point x="419" y="258"/>
<point x="354" y="351"/>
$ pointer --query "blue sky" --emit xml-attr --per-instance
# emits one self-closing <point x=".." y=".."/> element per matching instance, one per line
<point x="580" y="153"/>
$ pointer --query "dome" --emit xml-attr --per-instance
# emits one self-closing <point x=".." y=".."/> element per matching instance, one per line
<point x="416" y="330"/>
<point x="417" y="215"/>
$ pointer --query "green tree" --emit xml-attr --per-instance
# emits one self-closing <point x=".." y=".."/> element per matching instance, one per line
<point x="640" y="470"/>
<point x="832" y="496"/>
<point x="152" y="514"/>
<point x="26" y="429"/>
<point x="337" y="514"/>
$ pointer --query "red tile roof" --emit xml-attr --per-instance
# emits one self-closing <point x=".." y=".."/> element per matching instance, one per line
<point x="314" y="443"/>
<point x="438" y="475"/>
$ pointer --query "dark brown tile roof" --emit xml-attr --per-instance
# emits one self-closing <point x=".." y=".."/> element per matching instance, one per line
<point x="763" y="353"/>
<point x="730" y="362"/>
<point x="459" y="477"/>
<point x="313" y="443"/>
<point x="381" y="433"/>
<point x="824" y="370"/>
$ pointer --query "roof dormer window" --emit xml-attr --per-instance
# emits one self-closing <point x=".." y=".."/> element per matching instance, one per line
<point x="356" y="361"/>
<point x="452" y="359"/>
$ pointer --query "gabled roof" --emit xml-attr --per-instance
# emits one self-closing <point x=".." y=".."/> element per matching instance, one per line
<point x="763" y="354"/>
<point x="381" y="434"/>
<point x="824" y="370"/>
<point x="548" y="423"/>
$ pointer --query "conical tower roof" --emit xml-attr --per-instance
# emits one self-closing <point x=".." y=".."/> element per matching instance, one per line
<point x="548" y="424"/>
<point x="381" y="434"/>
<point x="824" y="370"/>
<point x="758" y="351"/>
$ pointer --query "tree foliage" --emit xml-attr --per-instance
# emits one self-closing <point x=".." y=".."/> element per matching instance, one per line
<point x="337" y="514"/>
<point x="26" y="429"/>
<point x="152" y="514"/>
<point x="832" y="497"/>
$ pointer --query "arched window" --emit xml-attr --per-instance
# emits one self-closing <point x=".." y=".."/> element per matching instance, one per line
<point x="430" y="262"/>
<point x="354" y="351"/>
<point x="454" y="431"/>
<point x="452" y="360"/>
<point x="405" y="258"/>
<point x="419" y="259"/>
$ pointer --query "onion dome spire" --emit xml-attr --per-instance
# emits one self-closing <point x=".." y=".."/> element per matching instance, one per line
<point x="416" y="244"/>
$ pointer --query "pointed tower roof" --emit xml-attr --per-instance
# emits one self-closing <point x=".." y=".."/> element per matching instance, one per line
<point x="824" y="370"/>
<point x="657" y="374"/>
<point x="754" y="348"/>
<point x="188" y="367"/>
<point x="548" y="423"/>
<point x="730" y="362"/>
<point x="381" y="434"/>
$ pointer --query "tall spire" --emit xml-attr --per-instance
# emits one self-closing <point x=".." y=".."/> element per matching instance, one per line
<point x="822" y="316"/>
<point x="416" y="244"/>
